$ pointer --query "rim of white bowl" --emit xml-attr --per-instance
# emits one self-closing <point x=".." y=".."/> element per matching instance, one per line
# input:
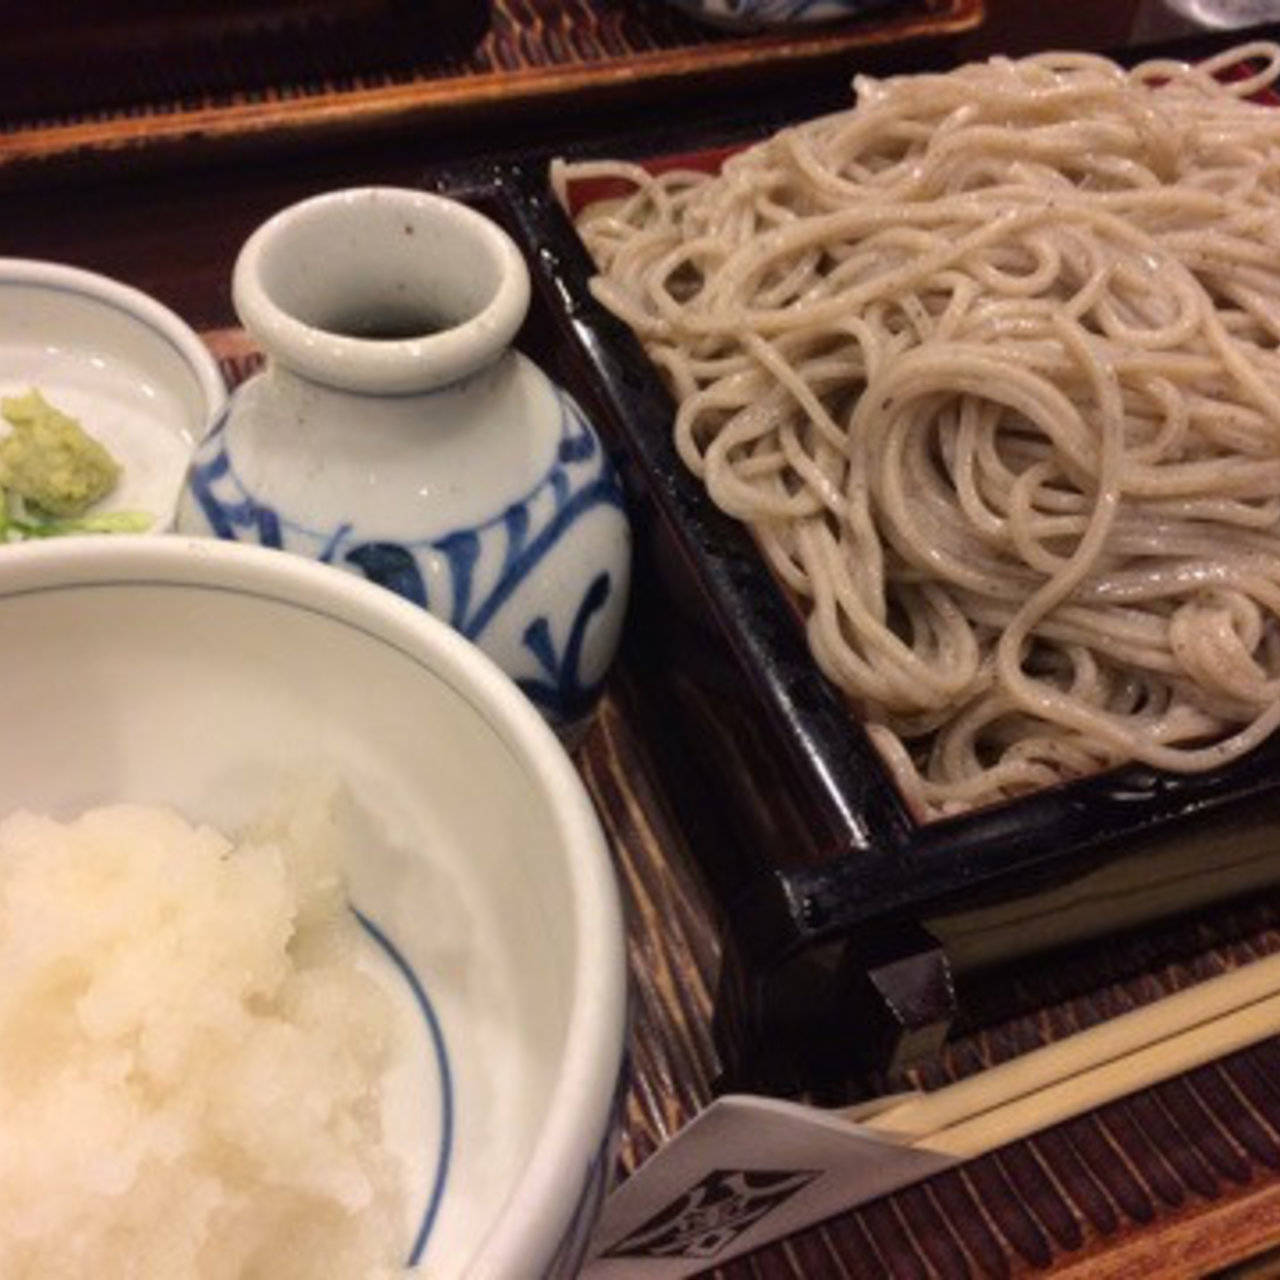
<point x="387" y="366"/>
<point x="540" y="1209"/>
<point x="130" y="301"/>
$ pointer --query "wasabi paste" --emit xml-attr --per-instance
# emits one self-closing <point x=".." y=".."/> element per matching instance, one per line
<point x="51" y="472"/>
<point x="50" y="461"/>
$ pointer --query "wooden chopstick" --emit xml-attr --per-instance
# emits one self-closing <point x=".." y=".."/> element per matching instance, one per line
<point x="1194" y="1018"/>
<point x="1107" y="1082"/>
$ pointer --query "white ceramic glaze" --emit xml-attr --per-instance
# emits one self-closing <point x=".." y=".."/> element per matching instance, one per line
<point x="216" y="674"/>
<point x="441" y="463"/>
<point x="131" y="371"/>
<point x="755" y="15"/>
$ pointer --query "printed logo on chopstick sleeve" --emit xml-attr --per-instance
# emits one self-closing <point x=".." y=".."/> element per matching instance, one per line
<point x="712" y="1214"/>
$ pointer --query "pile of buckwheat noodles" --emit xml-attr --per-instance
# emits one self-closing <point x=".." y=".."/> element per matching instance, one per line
<point x="989" y="365"/>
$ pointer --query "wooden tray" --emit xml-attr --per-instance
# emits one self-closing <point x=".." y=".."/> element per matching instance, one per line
<point x="535" y="53"/>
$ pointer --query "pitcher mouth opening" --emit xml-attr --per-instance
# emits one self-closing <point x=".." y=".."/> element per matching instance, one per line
<point x="381" y="289"/>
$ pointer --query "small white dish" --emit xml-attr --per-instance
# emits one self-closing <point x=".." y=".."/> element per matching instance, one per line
<point x="217" y="675"/>
<point x="134" y="374"/>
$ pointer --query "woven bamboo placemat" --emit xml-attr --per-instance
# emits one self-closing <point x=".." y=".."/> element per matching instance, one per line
<point x="1180" y="1180"/>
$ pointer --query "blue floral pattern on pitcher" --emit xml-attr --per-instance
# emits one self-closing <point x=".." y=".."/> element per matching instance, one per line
<point x="470" y="577"/>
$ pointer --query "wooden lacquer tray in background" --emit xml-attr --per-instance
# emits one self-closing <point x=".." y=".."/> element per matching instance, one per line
<point x="535" y="53"/>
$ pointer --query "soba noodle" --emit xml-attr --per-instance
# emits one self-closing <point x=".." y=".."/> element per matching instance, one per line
<point x="989" y="365"/>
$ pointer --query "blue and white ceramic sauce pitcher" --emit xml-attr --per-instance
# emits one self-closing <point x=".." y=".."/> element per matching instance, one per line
<point x="395" y="432"/>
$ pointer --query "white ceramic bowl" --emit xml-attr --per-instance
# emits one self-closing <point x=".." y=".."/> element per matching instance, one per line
<point x="134" y="374"/>
<point x="205" y="675"/>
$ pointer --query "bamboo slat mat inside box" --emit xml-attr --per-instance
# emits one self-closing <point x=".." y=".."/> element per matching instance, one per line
<point x="1179" y="1180"/>
<point x="535" y="51"/>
